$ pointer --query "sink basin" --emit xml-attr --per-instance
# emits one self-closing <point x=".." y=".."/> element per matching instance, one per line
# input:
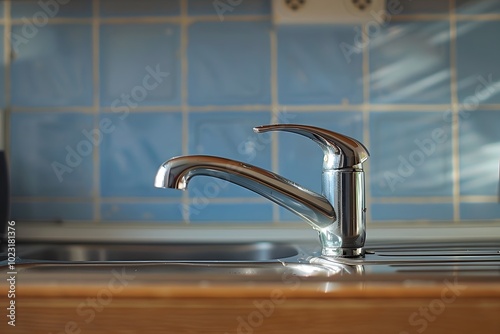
<point x="258" y="251"/>
<point x="258" y="261"/>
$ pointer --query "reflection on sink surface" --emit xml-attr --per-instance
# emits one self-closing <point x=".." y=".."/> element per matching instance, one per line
<point x="259" y="261"/>
<point x="432" y="259"/>
<point x="259" y="251"/>
<point x="182" y="271"/>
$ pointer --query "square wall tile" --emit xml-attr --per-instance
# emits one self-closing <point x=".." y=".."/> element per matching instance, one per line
<point x="480" y="153"/>
<point x="412" y="211"/>
<point x="132" y="150"/>
<point x="477" y="6"/>
<point x="53" y="68"/>
<point x="128" y="8"/>
<point x="478" y="73"/>
<point x="53" y="211"/>
<point x="39" y="11"/>
<point x="141" y="212"/>
<point x="254" y="213"/>
<point x="228" y="135"/>
<point x="145" y="71"/>
<point x="301" y="159"/>
<point x="314" y="69"/>
<point x="229" y="63"/>
<point x="223" y="8"/>
<point x="410" y="154"/>
<point x="410" y="63"/>
<point x="50" y="155"/>
<point x="480" y="211"/>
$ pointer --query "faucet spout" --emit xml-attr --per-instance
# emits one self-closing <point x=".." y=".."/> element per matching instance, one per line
<point x="310" y="206"/>
<point x="338" y="214"/>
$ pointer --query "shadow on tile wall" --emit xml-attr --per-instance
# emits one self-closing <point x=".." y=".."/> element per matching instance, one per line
<point x="97" y="94"/>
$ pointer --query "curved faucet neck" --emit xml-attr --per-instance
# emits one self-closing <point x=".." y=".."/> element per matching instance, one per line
<point x="310" y="206"/>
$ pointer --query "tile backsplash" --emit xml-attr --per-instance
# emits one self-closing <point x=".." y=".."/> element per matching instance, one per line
<point x="99" y="95"/>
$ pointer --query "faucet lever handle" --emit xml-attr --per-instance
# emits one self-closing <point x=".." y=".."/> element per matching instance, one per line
<point x="340" y="151"/>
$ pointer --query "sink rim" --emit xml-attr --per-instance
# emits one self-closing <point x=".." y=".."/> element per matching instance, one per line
<point x="158" y="252"/>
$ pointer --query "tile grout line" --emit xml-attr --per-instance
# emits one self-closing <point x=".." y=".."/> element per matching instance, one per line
<point x="275" y="110"/>
<point x="184" y="75"/>
<point x="95" y="105"/>
<point x="259" y="107"/>
<point x="246" y="18"/>
<point x="479" y="199"/>
<point x="242" y="200"/>
<point x="366" y="120"/>
<point x="162" y="200"/>
<point x="185" y="200"/>
<point x="455" y="110"/>
<point x="413" y="200"/>
<point x="148" y="19"/>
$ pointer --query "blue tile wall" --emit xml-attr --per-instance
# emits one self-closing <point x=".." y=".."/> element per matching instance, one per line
<point x="479" y="211"/>
<point x="412" y="211"/>
<point x="254" y="7"/>
<point x="141" y="212"/>
<point x="51" y="211"/>
<point x="50" y="155"/>
<point x="42" y="9"/>
<point x="477" y="7"/>
<point x="480" y="153"/>
<point x="478" y="74"/>
<point x="424" y="7"/>
<point x="226" y="213"/>
<point x="53" y="67"/>
<point x="228" y="134"/>
<point x="129" y="8"/>
<point x="133" y="147"/>
<point x="229" y="63"/>
<point x="313" y="69"/>
<point x="155" y="57"/>
<point x="410" y="64"/>
<point x="415" y="154"/>
<point x="103" y="92"/>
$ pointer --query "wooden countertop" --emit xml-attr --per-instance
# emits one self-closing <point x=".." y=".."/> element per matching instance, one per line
<point x="448" y="306"/>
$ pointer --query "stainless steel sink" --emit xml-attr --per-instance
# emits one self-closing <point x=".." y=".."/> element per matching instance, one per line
<point x="180" y="272"/>
<point x="258" y="251"/>
<point x="205" y="262"/>
<point x="260" y="261"/>
<point x="462" y="259"/>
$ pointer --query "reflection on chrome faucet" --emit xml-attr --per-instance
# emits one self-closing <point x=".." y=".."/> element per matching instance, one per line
<point x="338" y="214"/>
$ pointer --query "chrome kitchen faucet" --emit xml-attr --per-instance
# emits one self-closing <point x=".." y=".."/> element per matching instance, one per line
<point x="339" y="214"/>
